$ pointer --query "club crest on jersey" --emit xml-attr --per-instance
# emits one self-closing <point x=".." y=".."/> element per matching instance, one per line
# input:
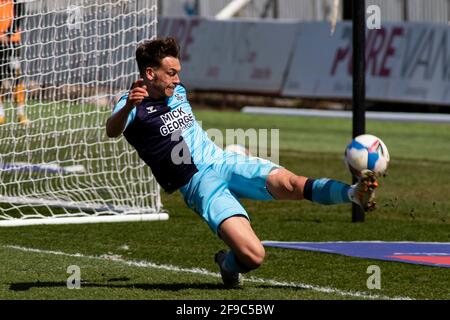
<point x="174" y="120"/>
<point x="178" y="96"/>
<point x="151" y="109"/>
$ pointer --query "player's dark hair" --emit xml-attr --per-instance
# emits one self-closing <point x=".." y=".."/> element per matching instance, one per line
<point x="150" y="53"/>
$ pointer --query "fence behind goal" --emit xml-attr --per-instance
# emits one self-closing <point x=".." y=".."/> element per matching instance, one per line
<point x="60" y="167"/>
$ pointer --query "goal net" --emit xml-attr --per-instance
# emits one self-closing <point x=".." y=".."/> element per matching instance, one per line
<point x="63" y="72"/>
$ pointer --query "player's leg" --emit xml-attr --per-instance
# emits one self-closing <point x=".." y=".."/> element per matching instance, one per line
<point x="2" y="111"/>
<point x="19" y="88"/>
<point x="238" y="234"/>
<point x="3" y="75"/>
<point x="208" y="194"/>
<point x="285" y="185"/>
<point x="247" y="252"/>
<point x="263" y="180"/>
<point x="19" y="99"/>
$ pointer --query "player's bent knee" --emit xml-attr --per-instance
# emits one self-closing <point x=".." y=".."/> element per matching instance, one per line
<point x="285" y="185"/>
<point x="255" y="257"/>
<point x="298" y="183"/>
<point x="258" y="260"/>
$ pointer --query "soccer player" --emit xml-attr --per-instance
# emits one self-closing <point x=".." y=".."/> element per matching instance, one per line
<point x="157" y="120"/>
<point x="10" y="38"/>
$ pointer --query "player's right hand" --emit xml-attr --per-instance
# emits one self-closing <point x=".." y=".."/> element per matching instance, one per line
<point x="137" y="93"/>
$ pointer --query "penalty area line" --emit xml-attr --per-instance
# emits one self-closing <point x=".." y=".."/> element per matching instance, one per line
<point x="200" y="271"/>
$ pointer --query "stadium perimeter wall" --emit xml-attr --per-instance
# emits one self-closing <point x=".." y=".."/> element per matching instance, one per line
<point x="232" y="55"/>
<point x="406" y="62"/>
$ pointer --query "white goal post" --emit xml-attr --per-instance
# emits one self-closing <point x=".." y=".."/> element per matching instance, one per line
<point x="75" y="58"/>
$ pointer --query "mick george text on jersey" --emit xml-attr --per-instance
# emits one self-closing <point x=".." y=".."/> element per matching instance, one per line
<point x="174" y="120"/>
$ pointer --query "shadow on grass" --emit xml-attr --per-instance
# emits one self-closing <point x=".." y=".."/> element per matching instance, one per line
<point x="24" y="286"/>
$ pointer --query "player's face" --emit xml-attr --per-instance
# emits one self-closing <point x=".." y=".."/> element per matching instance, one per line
<point x="164" y="79"/>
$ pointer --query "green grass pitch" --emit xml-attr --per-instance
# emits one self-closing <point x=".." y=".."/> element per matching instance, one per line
<point x="174" y="259"/>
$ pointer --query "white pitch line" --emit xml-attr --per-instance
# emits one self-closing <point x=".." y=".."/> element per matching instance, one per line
<point x="200" y="271"/>
<point x="375" y="115"/>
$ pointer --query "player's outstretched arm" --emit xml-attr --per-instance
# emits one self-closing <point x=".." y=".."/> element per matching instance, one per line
<point x="115" y="124"/>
